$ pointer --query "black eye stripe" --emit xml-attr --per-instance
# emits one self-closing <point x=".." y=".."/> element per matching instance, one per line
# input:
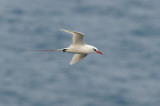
<point x="94" y="49"/>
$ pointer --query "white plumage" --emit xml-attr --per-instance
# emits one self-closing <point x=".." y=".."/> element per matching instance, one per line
<point x="78" y="47"/>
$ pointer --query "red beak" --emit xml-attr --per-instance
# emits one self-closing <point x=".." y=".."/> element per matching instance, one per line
<point x="99" y="52"/>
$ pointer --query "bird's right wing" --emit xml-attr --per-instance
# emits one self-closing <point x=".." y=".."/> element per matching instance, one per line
<point x="77" y="37"/>
<point x="77" y="57"/>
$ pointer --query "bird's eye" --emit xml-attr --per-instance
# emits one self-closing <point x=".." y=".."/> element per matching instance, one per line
<point x="94" y="49"/>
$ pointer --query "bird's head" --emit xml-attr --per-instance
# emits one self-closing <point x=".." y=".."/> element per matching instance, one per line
<point x="96" y="50"/>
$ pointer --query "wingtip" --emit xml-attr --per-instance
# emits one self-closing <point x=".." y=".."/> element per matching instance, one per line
<point x="68" y="31"/>
<point x="64" y="30"/>
<point x="61" y="29"/>
<point x="72" y="32"/>
<point x="71" y="63"/>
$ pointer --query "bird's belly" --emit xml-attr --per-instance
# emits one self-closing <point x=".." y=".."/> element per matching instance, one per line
<point x="79" y="50"/>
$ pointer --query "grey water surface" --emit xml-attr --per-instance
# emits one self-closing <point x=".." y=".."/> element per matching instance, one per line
<point x="126" y="31"/>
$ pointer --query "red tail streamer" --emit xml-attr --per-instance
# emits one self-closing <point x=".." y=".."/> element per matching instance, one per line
<point x="41" y="50"/>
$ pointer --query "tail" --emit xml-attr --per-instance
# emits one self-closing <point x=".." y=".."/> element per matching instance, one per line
<point x="63" y="50"/>
<point x="41" y="50"/>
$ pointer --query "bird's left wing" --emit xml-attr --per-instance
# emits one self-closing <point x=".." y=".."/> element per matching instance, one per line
<point x="77" y="57"/>
<point x="77" y="37"/>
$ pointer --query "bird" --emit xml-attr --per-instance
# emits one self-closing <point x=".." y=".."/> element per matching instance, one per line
<point x="78" y="47"/>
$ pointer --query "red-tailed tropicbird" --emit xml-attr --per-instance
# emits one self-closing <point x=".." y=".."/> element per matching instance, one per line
<point x="78" y="47"/>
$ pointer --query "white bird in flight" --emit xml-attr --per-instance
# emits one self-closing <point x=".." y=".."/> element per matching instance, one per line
<point x="78" y="47"/>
